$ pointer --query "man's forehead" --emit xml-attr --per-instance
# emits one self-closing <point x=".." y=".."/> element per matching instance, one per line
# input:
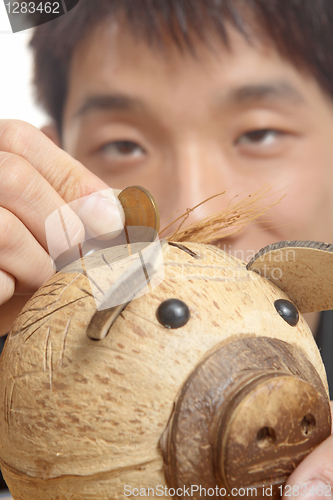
<point x="116" y="38"/>
<point x="115" y="72"/>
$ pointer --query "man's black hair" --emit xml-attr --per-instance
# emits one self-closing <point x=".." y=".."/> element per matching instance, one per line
<point x="301" y="31"/>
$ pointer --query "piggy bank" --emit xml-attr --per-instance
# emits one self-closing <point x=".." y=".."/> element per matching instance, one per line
<point x="209" y="383"/>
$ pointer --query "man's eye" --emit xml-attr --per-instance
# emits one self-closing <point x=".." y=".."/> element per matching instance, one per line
<point x="263" y="137"/>
<point x="123" y="149"/>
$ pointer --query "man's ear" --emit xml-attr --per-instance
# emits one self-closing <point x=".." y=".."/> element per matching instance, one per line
<point x="52" y="133"/>
<point x="302" y="269"/>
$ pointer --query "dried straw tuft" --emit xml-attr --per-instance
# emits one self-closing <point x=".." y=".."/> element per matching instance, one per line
<point x="224" y="223"/>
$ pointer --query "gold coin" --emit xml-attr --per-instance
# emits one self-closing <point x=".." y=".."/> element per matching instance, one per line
<point x="140" y="208"/>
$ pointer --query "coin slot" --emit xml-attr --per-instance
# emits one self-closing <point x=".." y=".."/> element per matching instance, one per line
<point x="266" y="437"/>
<point x="308" y="424"/>
<point x="184" y="248"/>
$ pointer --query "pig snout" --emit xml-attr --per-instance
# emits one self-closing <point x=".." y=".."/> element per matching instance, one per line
<point x="245" y="418"/>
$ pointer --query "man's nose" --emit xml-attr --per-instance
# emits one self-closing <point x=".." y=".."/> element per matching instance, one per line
<point x="201" y="174"/>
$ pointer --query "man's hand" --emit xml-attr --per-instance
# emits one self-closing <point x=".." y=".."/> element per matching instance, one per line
<point x="313" y="478"/>
<point x="36" y="179"/>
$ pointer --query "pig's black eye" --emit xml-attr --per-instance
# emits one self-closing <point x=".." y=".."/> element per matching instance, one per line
<point x="288" y="311"/>
<point x="173" y="313"/>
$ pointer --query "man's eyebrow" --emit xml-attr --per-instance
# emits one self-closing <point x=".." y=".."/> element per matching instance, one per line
<point x="264" y="91"/>
<point x="109" y="102"/>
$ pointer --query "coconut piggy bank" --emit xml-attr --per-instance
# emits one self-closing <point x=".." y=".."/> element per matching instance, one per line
<point x="210" y="382"/>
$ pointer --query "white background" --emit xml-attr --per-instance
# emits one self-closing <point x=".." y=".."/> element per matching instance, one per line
<point x="16" y="94"/>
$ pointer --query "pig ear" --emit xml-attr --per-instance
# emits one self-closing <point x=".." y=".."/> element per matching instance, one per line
<point x="302" y="269"/>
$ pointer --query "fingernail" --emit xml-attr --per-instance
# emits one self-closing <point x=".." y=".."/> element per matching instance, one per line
<point x="63" y="230"/>
<point x="313" y="490"/>
<point x="102" y="214"/>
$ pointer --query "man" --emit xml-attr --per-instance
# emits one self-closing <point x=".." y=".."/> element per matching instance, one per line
<point x="186" y="98"/>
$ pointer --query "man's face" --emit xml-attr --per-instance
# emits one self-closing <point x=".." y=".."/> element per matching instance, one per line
<point x="189" y="127"/>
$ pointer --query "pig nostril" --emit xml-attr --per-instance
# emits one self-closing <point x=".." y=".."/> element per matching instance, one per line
<point x="266" y="437"/>
<point x="308" y="424"/>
